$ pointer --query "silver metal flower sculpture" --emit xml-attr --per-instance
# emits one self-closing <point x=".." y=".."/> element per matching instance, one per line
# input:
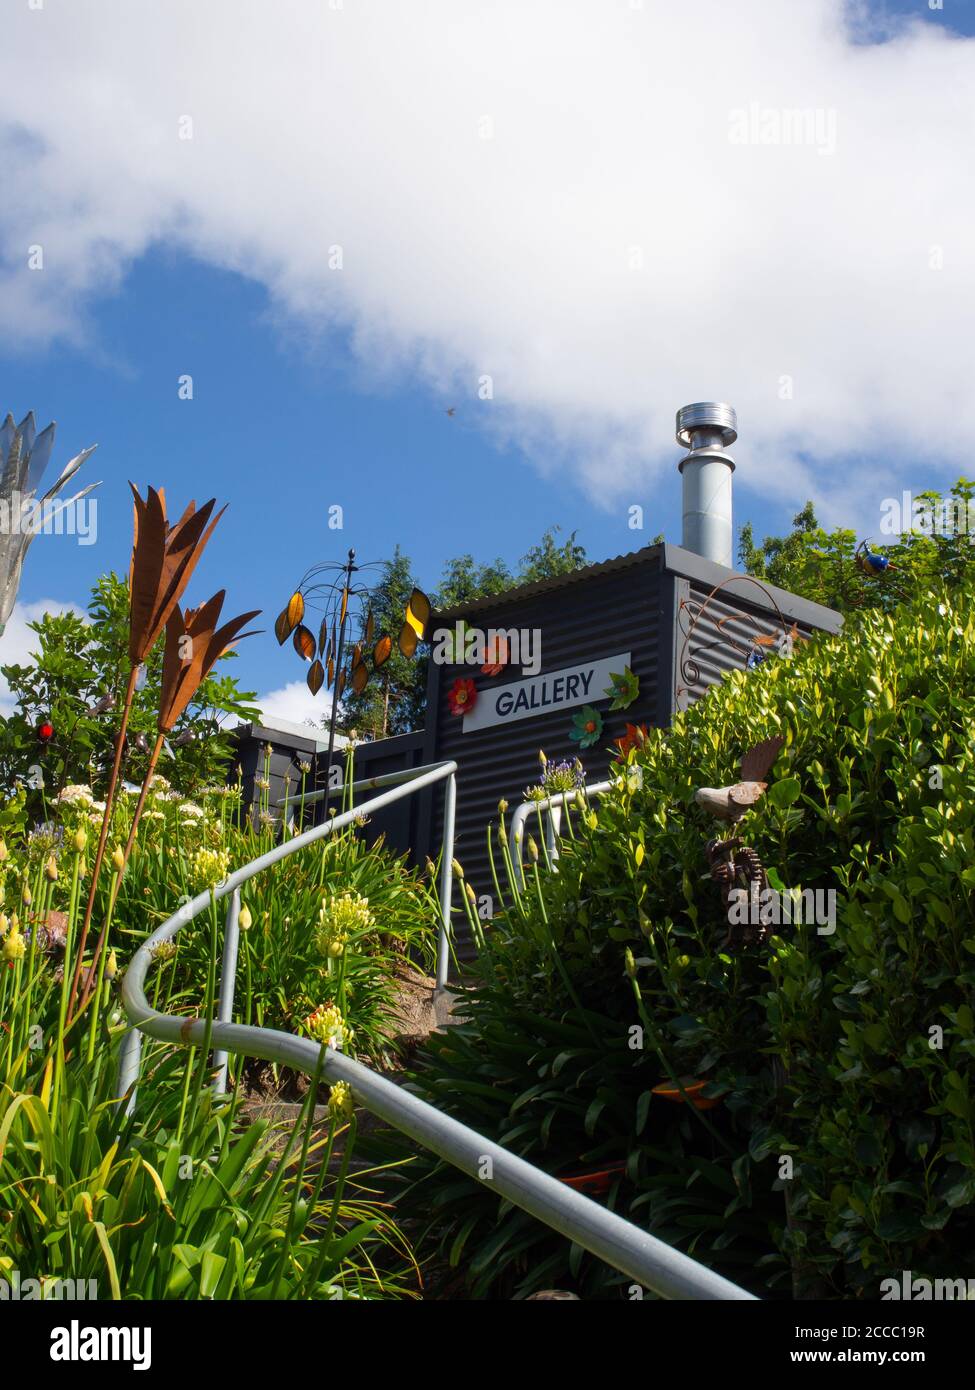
<point x="24" y="455"/>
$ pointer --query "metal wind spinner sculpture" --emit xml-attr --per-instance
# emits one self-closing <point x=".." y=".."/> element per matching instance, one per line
<point x="331" y="589"/>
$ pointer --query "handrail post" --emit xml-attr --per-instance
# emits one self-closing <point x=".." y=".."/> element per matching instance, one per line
<point x="228" y="985"/>
<point x="446" y="881"/>
<point x="553" y="829"/>
<point x="129" y="1062"/>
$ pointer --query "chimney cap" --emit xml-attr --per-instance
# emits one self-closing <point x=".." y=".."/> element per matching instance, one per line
<point x="710" y="416"/>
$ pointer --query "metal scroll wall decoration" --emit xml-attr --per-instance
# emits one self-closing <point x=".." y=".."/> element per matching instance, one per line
<point x="336" y="663"/>
<point x="703" y="629"/>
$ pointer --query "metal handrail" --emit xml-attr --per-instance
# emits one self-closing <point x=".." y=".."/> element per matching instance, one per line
<point x="653" y="1264"/>
<point x="553" y="804"/>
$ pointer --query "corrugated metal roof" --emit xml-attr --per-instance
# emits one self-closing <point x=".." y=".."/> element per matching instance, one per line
<point x="662" y="557"/>
<point x="650" y="554"/>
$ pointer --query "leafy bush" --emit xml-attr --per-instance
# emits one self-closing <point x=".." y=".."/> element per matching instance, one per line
<point x="842" y="1057"/>
<point x="183" y="1199"/>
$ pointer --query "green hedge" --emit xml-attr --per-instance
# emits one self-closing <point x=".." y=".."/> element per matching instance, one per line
<point x="842" y="1057"/>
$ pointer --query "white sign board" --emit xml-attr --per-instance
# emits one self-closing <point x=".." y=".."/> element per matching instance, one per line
<point x="526" y="699"/>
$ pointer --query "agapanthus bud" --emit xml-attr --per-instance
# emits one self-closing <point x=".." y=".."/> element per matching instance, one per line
<point x="244" y="919"/>
<point x="4" y="852"/>
<point x="111" y="965"/>
<point x="51" y="868"/>
<point x="25" y="896"/>
<point x="14" y="946"/>
<point x="630" y="964"/>
<point x="118" y="858"/>
<point x="80" y="840"/>
<point x="456" y="866"/>
<point x="340" y="1104"/>
<point x="532" y="848"/>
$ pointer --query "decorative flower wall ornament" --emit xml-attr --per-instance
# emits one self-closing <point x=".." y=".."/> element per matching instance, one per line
<point x="635" y="737"/>
<point x="495" y="656"/>
<point x="622" y="689"/>
<point x="462" y="695"/>
<point x="587" y="726"/>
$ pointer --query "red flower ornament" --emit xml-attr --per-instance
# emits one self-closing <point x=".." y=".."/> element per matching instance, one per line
<point x="45" y="731"/>
<point x="462" y="695"/>
<point x="635" y="737"/>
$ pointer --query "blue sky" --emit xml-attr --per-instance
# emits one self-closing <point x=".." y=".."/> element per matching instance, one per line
<point x="293" y="412"/>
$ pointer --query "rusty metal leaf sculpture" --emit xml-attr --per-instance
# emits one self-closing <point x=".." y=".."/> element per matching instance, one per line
<point x="356" y="655"/>
<point x="315" y="677"/>
<point x="296" y="609"/>
<point x="360" y="677"/>
<point x="323" y="636"/>
<point x="418" y="612"/>
<point x="382" y="651"/>
<point x="757" y="761"/>
<point x="407" y="640"/>
<point x="345" y="605"/>
<point x="370" y="628"/>
<point x="340" y="685"/>
<point x="282" y="627"/>
<point x="163" y="560"/>
<point x="304" y="642"/>
<point x="194" y="644"/>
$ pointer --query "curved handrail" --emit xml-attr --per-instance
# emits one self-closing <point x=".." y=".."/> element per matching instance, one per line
<point x="553" y="804"/>
<point x="655" y="1265"/>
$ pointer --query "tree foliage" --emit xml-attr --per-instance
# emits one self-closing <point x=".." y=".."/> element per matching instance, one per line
<point x="394" y="701"/>
<point x="76" y="662"/>
<point x="820" y="565"/>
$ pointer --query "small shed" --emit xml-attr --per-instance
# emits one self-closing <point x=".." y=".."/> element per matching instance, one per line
<point x="671" y="618"/>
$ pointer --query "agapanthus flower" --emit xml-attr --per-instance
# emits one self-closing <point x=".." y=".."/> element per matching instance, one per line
<point x="327" y="1026"/>
<point x="340" y="918"/>
<point x="210" y="867"/>
<point x="76" y="794"/>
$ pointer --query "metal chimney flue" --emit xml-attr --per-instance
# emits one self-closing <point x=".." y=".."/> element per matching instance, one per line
<point x="706" y="429"/>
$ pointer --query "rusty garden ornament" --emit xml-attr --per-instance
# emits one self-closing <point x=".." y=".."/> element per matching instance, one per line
<point x="733" y="802"/>
<point x="194" y="644"/>
<point x="164" y="557"/>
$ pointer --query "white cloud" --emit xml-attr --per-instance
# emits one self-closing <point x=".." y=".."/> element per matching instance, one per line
<point x="294" y="702"/>
<point x="18" y="643"/>
<point x="611" y="136"/>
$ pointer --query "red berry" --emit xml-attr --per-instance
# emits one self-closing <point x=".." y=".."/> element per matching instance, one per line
<point x="45" y="731"/>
